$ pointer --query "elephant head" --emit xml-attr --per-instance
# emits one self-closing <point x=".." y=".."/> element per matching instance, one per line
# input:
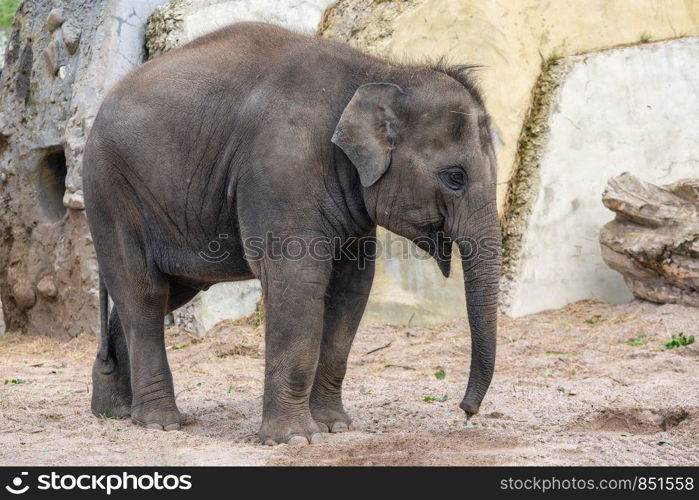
<point x="426" y="162"/>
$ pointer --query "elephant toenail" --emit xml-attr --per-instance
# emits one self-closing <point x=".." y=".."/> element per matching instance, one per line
<point x="297" y="441"/>
<point x="270" y="442"/>
<point x="340" y="427"/>
<point x="323" y="427"/>
<point x="317" y="438"/>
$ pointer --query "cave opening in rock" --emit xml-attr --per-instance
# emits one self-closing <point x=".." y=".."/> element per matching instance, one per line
<point x="52" y="184"/>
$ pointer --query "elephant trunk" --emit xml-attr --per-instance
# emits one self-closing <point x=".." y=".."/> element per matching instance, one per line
<point x="480" y="247"/>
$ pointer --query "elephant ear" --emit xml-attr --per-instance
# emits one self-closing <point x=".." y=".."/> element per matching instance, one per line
<point x="367" y="132"/>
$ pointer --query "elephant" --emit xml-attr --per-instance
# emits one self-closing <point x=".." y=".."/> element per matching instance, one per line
<point x="255" y="133"/>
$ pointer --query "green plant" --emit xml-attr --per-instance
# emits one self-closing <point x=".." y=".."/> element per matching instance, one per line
<point x="677" y="341"/>
<point x="7" y="12"/>
<point x="430" y="399"/>
<point x="15" y="381"/>
<point x="640" y="340"/>
<point x="440" y="374"/>
<point x="594" y="319"/>
<point x="645" y="37"/>
<point x="553" y="55"/>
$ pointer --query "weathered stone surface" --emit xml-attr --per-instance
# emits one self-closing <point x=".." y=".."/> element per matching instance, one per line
<point x="54" y="21"/>
<point x="50" y="92"/>
<point x="654" y="239"/>
<point x="593" y="117"/>
<point x="70" y="34"/>
<point x="47" y="287"/>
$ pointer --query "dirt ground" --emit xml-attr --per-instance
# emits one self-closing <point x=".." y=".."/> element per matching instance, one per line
<point x="569" y="389"/>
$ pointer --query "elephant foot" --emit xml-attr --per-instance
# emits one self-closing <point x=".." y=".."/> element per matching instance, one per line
<point x="111" y="391"/>
<point x="331" y="419"/>
<point x="161" y="418"/>
<point x="295" y="431"/>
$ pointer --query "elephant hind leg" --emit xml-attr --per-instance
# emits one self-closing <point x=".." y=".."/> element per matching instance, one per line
<point x="111" y="380"/>
<point x="111" y="395"/>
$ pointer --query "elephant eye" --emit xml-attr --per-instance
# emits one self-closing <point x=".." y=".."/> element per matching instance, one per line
<point x="454" y="178"/>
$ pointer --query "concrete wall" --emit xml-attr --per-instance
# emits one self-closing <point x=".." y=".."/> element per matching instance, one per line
<point x="634" y="109"/>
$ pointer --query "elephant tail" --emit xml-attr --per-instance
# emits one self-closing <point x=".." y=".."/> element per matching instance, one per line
<point x="105" y="347"/>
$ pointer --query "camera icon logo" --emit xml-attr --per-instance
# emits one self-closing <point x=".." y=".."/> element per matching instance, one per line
<point x="17" y="483"/>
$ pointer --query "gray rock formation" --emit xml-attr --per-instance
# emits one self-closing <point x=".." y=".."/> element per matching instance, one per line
<point x="61" y="59"/>
<point x="654" y="239"/>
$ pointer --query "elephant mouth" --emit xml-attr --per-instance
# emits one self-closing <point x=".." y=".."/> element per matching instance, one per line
<point x="438" y="245"/>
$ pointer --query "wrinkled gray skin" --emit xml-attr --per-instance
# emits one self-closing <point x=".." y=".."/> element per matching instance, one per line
<point x="255" y="130"/>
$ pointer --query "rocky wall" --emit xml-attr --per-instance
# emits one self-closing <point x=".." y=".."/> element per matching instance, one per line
<point x="62" y="56"/>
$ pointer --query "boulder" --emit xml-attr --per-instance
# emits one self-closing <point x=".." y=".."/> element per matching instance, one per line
<point x="654" y="239"/>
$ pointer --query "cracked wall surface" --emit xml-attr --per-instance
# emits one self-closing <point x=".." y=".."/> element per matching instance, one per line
<point x="630" y="109"/>
<point x="62" y="57"/>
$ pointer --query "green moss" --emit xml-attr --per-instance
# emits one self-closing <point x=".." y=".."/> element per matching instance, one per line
<point x="525" y="178"/>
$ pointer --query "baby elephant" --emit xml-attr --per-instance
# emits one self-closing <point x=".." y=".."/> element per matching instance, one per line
<point x="284" y="152"/>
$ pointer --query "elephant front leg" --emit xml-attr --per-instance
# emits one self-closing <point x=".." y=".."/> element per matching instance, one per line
<point x="294" y="304"/>
<point x="346" y="300"/>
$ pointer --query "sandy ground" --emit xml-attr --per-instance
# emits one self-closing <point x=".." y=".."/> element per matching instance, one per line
<point x="569" y="390"/>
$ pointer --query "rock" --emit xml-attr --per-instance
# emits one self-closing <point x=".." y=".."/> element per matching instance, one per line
<point x="71" y="37"/>
<point x="24" y="295"/>
<point x="54" y="20"/>
<point x="74" y="201"/>
<point x="593" y="118"/>
<point x="47" y="287"/>
<point x="228" y="301"/>
<point x="55" y="55"/>
<point x="654" y="239"/>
